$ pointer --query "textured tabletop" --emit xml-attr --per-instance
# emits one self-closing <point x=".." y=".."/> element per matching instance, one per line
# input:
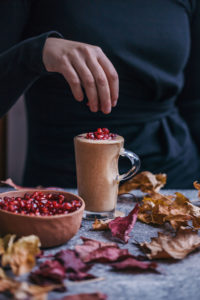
<point x="178" y="280"/>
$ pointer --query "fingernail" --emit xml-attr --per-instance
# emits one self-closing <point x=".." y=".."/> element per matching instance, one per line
<point x="93" y="108"/>
<point x="107" y="110"/>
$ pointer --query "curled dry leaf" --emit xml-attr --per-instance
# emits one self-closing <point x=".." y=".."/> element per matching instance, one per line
<point x="89" y="246"/>
<point x="92" y="296"/>
<point x="50" y="271"/>
<point x="145" y="181"/>
<point x="167" y="246"/>
<point x="196" y="185"/>
<point x="20" y="255"/>
<point x="132" y="264"/>
<point x="23" y="290"/>
<point x="99" y="225"/>
<point x="176" y="209"/>
<point x="121" y="226"/>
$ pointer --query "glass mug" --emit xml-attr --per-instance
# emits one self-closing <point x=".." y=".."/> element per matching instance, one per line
<point x="98" y="175"/>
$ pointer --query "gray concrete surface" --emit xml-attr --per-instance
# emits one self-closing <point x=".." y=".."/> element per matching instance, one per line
<point x="178" y="281"/>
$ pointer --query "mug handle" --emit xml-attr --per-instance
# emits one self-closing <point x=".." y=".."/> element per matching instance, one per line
<point x="135" y="162"/>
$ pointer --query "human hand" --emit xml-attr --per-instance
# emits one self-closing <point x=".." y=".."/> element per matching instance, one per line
<point x="86" y="66"/>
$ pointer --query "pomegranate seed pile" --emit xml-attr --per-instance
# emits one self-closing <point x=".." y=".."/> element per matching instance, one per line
<point x="39" y="204"/>
<point x="101" y="134"/>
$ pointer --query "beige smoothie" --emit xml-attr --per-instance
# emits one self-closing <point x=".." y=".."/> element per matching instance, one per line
<point x="97" y="171"/>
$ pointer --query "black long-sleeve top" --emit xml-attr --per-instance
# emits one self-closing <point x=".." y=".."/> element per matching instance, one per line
<point x="155" y="47"/>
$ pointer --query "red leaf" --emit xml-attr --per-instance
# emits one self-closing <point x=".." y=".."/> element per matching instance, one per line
<point x="130" y="263"/>
<point x="90" y="245"/>
<point x="93" y="296"/>
<point x="71" y="262"/>
<point x="106" y="254"/>
<point x="50" y="271"/>
<point x="122" y="226"/>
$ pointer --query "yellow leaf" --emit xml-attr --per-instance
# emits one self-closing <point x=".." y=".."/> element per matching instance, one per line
<point x="20" y="255"/>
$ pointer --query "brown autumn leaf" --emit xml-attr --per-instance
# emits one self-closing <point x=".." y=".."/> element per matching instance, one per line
<point x="197" y="187"/>
<point x="145" y="181"/>
<point x="176" y="209"/>
<point x="99" y="225"/>
<point x="154" y="208"/>
<point x="20" y="255"/>
<point x="176" y="247"/>
<point x="195" y="214"/>
<point x="23" y="290"/>
<point x="5" y="241"/>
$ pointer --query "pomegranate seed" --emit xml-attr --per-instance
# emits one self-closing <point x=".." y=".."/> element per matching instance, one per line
<point x="27" y="196"/>
<point x="35" y="194"/>
<point x="39" y="204"/>
<point x="106" y="130"/>
<point x="101" y="134"/>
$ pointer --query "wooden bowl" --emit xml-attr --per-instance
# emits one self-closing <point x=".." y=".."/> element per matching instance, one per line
<point x="52" y="230"/>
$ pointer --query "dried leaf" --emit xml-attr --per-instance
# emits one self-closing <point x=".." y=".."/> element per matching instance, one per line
<point x="145" y="181"/>
<point x="133" y="264"/>
<point x="5" y="241"/>
<point x="70" y="261"/>
<point x="90" y="245"/>
<point x="167" y="246"/>
<point x="33" y="292"/>
<point x="195" y="214"/>
<point x="50" y="271"/>
<point x="176" y="209"/>
<point x="20" y="255"/>
<point x="197" y="187"/>
<point x="74" y="267"/>
<point x="101" y="224"/>
<point x="106" y="254"/>
<point x="12" y="184"/>
<point x="23" y="290"/>
<point x="121" y="227"/>
<point x="92" y="296"/>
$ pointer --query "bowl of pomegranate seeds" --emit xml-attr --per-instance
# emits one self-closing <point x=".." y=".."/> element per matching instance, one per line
<point x="54" y="216"/>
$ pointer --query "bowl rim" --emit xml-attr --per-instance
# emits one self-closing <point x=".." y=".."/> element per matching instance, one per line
<point x="44" y="217"/>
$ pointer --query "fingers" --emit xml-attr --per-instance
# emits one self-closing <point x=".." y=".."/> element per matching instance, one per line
<point x="73" y="79"/>
<point x="87" y="66"/>
<point x="87" y="80"/>
<point x="112" y="77"/>
<point x="102" y="85"/>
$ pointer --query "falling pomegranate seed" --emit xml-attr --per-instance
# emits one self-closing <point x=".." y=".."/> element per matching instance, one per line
<point x="101" y="134"/>
<point x="39" y="204"/>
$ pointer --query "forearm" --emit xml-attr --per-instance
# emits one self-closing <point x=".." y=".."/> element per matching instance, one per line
<point x="20" y="66"/>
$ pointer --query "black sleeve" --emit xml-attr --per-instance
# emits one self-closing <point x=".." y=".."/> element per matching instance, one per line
<point x="189" y="100"/>
<point x="20" y="66"/>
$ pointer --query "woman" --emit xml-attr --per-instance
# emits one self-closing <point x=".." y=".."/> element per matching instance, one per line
<point x="154" y="48"/>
